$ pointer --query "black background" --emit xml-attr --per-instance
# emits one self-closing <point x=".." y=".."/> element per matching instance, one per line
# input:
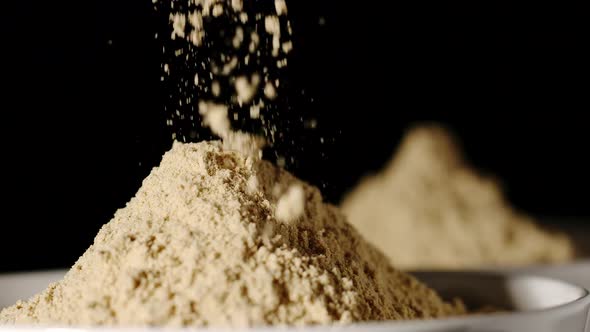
<point x="83" y="120"/>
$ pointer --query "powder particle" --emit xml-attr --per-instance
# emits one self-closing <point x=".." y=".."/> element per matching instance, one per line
<point x="237" y="5"/>
<point x="428" y="209"/>
<point x="270" y="91"/>
<point x="287" y="47"/>
<point x="254" y="41"/>
<point x="197" y="34"/>
<point x="291" y="205"/>
<point x="238" y="37"/>
<point x="272" y="25"/>
<point x="217" y="10"/>
<point x="215" y="117"/>
<point x="199" y="245"/>
<point x="230" y="66"/>
<point x="215" y="88"/>
<point x="255" y="111"/>
<point x="178" y="25"/>
<point x="246" y="88"/>
<point x="281" y="7"/>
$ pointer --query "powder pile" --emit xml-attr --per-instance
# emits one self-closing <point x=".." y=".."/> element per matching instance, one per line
<point x="200" y="245"/>
<point x="215" y="236"/>
<point x="429" y="209"/>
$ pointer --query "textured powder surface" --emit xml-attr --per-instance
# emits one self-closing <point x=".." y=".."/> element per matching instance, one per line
<point x="428" y="209"/>
<point x="199" y="245"/>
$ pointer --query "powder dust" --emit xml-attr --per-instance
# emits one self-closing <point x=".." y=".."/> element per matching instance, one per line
<point x="428" y="209"/>
<point x="200" y="244"/>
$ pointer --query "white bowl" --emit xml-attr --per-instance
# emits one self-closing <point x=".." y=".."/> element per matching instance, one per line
<point x="577" y="272"/>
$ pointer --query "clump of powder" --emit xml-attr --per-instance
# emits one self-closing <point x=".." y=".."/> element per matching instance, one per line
<point x="291" y="205"/>
<point x="429" y="209"/>
<point x="201" y="244"/>
<point x="246" y="88"/>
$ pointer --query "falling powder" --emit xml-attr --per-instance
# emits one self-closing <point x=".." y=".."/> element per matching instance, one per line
<point x="246" y="88"/>
<point x="281" y="7"/>
<point x="215" y="117"/>
<point x="178" y="25"/>
<point x="273" y="26"/>
<point x="235" y="54"/>
<point x="270" y="91"/>
<point x="216" y="88"/>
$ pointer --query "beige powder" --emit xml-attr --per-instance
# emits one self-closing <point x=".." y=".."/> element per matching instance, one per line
<point x="199" y="245"/>
<point x="246" y="88"/>
<point x="428" y="209"/>
<point x="215" y="117"/>
<point x="291" y="204"/>
<point x="270" y="91"/>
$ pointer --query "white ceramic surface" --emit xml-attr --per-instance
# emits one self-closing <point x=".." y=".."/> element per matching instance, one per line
<point x="576" y="273"/>
<point x="20" y="286"/>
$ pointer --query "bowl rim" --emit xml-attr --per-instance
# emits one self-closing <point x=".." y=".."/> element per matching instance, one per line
<point x="584" y="293"/>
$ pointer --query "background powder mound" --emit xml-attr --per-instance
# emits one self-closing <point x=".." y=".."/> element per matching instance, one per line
<point x="199" y="244"/>
<point x="428" y="209"/>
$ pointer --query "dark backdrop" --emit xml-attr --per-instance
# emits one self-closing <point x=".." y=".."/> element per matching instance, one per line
<point x="83" y="121"/>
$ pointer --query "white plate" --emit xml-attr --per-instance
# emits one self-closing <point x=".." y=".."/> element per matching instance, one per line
<point x="21" y="286"/>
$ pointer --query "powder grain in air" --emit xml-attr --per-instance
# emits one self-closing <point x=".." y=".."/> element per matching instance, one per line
<point x="201" y="244"/>
<point x="429" y="209"/>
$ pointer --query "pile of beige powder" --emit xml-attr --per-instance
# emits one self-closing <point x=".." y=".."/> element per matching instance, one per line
<point x="429" y="209"/>
<point x="215" y="237"/>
